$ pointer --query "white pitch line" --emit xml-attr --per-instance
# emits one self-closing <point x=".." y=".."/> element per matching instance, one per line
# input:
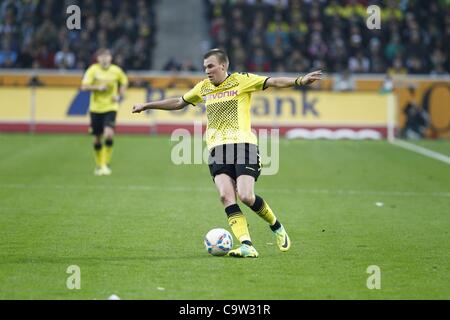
<point x="340" y="192"/>
<point x="421" y="150"/>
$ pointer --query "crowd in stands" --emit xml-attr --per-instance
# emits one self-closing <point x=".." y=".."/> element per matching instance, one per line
<point x="34" y="33"/>
<point x="302" y="35"/>
<point x="259" y="35"/>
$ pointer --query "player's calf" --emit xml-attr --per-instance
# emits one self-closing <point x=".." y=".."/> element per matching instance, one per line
<point x="262" y="209"/>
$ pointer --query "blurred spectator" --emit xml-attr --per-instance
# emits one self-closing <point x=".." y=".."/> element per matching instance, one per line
<point x="397" y="67"/>
<point x="47" y="35"/>
<point x="415" y="64"/>
<point x="25" y="57"/>
<point x="172" y="65"/>
<point x="359" y="63"/>
<point x="277" y="58"/>
<point x="416" y="119"/>
<point x="388" y="84"/>
<point x="45" y="59"/>
<point x="438" y="61"/>
<point x="238" y="60"/>
<point x="8" y="56"/>
<point x="259" y="62"/>
<point x="344" y="81"/>
<point x="297" y="62"/>
<point x="317" y="48"/>
<point x="8" y="21"/>
<point x="377" y="64"/>
<point x="65" y="59"/>
<point x="393" y="48"/>
<point x="277" y="33"/>
<point x="188" y="65"/>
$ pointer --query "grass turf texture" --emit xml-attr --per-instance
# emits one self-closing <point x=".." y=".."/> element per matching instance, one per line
<point x="141" y="229"/>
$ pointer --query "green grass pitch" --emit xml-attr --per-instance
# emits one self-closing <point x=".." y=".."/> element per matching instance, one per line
<point x="139" y="233"/>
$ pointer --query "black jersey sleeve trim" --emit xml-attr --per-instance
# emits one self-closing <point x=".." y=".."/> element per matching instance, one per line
<point x="187" y="101"/>
<point x="264" y="84"/>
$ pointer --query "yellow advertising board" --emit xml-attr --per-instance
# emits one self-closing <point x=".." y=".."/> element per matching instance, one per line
<point x="270" y="108"/>
<point x="434" y="98"/>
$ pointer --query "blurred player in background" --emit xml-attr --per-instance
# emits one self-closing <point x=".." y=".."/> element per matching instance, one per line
<point x="235" y="169"/>
<point x="107" y="83"/>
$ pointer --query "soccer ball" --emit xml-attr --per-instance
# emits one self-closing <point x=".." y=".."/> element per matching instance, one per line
<point x="218" y="242"/>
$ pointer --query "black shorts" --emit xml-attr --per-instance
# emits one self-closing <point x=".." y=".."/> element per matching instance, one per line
<point x="101" y="120"/>
<point x="235" y="160"/>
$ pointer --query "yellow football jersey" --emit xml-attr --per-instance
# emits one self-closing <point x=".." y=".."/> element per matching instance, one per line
<point x="101" y="102"/>
<point x="227" y="107"/>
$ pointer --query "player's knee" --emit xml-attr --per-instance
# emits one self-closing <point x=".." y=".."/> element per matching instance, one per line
<point x="97" y="146"/>
<point x="226" y="199"/>
<point x="108" y="136"/>
<point x="108" y="133"/>
<point x="97" y="139"/>
<point x="109" y="142"/>
<point x="246" y="197"/>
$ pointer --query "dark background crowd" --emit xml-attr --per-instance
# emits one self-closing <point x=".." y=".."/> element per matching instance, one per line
<point x="259" y="35"/>
<point x="34" y="33"/>
<point x="300" y="35"/>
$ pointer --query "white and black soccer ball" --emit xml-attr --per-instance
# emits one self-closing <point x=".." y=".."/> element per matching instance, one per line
<point x="218" y="242"/>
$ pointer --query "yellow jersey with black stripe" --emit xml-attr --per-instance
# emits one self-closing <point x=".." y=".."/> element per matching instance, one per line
<point x="101" y="102"/>
<point x="227" y="107"/>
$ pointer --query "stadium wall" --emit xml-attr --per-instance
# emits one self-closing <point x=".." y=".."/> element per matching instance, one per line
<point x="66" y="110"/>
<point x="59" y="106"/>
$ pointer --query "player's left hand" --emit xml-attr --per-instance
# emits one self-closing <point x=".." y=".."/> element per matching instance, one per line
<point x="311" y="77"/>
<point x="138" y="107"/>
<point x="117" y="98"/>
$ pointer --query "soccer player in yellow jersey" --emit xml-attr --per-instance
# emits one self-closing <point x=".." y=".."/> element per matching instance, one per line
<point x="234" y="160"/>
<point x="107" y="83"/>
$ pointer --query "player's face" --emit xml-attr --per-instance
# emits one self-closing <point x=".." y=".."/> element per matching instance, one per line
<point x="215" y="70"/>
<point x="104" y="60"/>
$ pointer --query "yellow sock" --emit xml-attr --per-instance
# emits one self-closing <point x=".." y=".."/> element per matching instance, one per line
<point x="98" y="154"/>
<point x="107" y="154"/>
<point x="263" y="210"/>
<point x="238" y="223"/>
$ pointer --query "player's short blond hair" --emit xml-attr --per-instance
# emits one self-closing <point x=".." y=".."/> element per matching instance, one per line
<point x="103" y="51"/>
<point x="221" y="55"/>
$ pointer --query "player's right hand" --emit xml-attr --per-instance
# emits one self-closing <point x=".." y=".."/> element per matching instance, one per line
<point x="138" y="107"/>
<point x="102" y="87"/>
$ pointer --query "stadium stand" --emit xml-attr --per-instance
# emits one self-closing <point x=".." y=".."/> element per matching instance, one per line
<point x="34" y="34"/>
<point x="260" y="35"/>
<point x="300" y="35"/>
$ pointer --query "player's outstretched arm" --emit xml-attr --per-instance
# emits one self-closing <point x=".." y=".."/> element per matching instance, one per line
<point x="88" y="87"/>
<point x="287" y="82"/>
<point x="166" y="104"/>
